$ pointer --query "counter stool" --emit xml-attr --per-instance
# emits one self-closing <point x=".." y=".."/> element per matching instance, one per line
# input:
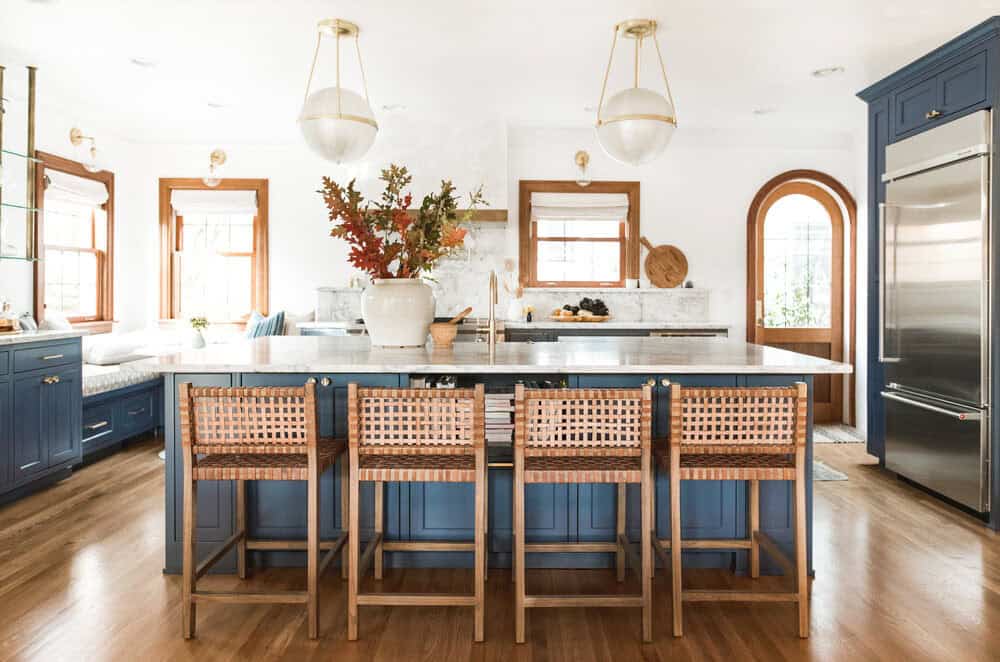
<point x="419" y="435"/>
<point x="246" y="434"/>
<point x="584" y="436"/>
<point x="750" y="434"/>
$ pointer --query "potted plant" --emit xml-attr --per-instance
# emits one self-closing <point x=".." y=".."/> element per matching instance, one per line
<point x="396" y="246"/>
<point x="198" y="324"/>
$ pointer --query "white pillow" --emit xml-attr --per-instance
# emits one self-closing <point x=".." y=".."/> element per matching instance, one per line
<point x="55" y="322"/>
<point x="292" y="322"/>
<point x="111" y="348"/>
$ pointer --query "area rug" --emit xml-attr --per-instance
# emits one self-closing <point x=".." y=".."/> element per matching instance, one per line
<point x="836" y="434"/>
<point x="823" y="471"/>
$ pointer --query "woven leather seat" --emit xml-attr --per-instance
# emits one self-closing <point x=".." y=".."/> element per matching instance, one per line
<point x="256" y="466"/>
<point x="583" y="469"/>
<point x="730" y="466"/>
<point x="418" y="468"/>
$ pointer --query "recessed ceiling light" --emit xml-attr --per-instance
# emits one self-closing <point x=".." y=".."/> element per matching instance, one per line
<point x="216" y="105"/>
<point x="826" y="72"/>
<point x="143" y="62"/>
<point x="765" y="110"/>
<point x="393" y="107"/>
<point x="590" y="109"/>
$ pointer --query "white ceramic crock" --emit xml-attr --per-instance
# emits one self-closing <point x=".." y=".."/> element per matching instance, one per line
<point x="398" y="311"/>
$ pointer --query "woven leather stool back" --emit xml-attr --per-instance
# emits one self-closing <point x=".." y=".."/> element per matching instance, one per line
<point x="416" y="420"/>
<point x="263" y="420"/>
<point x="582" y="421"/>
<point x="738" y="420"/>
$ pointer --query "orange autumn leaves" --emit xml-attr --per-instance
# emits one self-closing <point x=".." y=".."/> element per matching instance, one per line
<point x="387" y="239"/>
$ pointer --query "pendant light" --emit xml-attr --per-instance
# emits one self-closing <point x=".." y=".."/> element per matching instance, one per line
<point x="338" y="124"/>
<point x="216" y="160"/>
<point x="636" y="124"/>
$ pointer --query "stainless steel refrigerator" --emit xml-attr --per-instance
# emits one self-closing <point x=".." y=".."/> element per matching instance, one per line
<point x="934" y="326"/>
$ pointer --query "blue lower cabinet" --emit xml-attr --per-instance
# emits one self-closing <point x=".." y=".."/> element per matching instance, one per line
<point x="30" y="456"/>
<point x="6" y="438"/>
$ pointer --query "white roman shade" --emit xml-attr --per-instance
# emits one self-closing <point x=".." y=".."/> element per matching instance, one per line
<point x="64" y="187"/>
<point x="186" y="203"/>
<point x="579" y="206"/>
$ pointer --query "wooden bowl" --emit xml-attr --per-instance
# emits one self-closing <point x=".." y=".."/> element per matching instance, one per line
<point x="443" y="334"/>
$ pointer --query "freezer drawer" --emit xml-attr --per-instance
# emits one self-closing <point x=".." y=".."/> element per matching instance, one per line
<point x="940" y="446"/>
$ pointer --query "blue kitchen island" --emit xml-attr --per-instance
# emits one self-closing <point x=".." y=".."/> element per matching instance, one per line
<point x="444" y="511"/>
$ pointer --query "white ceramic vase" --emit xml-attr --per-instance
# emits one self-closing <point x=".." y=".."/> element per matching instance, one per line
<point x="197" y="340"/>
<point x="398" y="311"/>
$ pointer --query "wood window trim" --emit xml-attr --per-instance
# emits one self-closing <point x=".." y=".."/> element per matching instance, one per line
<point x="169" y="239"/>
<point x="841" y="192"/>
<point x="527" y="242"/>
<point x="101" y="323"/>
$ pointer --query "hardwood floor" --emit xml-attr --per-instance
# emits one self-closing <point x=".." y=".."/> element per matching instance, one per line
<point x="899" y="577"/>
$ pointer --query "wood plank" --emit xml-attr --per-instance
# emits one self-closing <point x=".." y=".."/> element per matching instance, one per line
<point x="569" y="547"/>
<point x="738" y="596"/>
<point x="235" y="597"/>
<point x="219" y="552"/>
<point x="735" y="543"/>
<point x="539" y="601"/>
<point x="427" y="546"/>
<point x="293" y="545"/>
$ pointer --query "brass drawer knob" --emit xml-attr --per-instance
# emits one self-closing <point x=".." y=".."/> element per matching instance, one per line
<point x="51" y="380"/>
<point x="311" y="380"/>
<point x="325" y="381"/>
<point x="931" y="114"/>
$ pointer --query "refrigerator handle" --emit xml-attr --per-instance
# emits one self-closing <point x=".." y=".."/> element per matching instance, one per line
<point x="959" y="415"/>
<point x="882" y="358"/>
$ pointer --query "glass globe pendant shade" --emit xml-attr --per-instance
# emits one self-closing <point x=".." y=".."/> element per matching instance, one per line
<point x="633" y="127"/>
<point x="338" y="124"/>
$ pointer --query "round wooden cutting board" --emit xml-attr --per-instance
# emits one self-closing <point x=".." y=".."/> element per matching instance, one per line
<point x="666" y="265"/>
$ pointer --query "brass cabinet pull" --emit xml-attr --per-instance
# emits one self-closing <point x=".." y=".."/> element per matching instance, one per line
<point x="664" y="382"/>
<point x="97" y="426"/>
<point x="29" y="465"/>
<point x="325" y="381"/>
<point x="311" y="380"/>
<point x="52" y="357"/>
<point x="931" y="114"/>
<point x="650" y="382"/>
<point x="54" y="379"/>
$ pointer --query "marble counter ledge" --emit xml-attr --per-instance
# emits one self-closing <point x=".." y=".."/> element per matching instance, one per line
<point x="612" y="324"/>
<point x="355" y="355"/>
<point x="39" y="336"/>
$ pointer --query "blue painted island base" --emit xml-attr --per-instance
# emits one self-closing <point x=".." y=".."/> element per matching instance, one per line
<point x="555" y="513"/>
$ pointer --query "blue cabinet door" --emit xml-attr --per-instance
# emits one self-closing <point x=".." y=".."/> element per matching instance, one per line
<point x="878" y="138"/>
<point x="914" y="106"/>
<point x="963" y="85"/>
<point x="946" y="92"/>
<point x="61" y="412"/>
<point x="6" y="439"/>
<point x="30" y="453"/>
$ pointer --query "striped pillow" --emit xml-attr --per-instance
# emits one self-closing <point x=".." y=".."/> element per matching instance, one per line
<point x="259" y="326"/>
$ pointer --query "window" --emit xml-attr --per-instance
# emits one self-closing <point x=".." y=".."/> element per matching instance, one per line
<point x="571" y="238"/>
<point x="74" y="276"/>
<point x="214" y="249"/>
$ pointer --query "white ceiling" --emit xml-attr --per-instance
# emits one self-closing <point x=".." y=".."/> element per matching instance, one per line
<point x="529" y="63"/>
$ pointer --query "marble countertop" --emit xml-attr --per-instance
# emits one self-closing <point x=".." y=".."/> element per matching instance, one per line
<point x="613" y="324"/>
<point x="39" y="336"/>
<point x="322" y="354"/>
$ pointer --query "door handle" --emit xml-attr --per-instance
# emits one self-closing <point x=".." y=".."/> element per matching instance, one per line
<point x="958" y="415"/>
<point x="29" y="465"/>
<point x="52" y="357"/>
<point x="136" y="412"/>
<point x="882" y="358"/>
<point x="932" y="114"/>
<point x="97" y="426"/>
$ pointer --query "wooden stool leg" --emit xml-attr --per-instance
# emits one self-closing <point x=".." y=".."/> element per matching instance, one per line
<point x="801" y="562"/>
<point x="646" y="542"/>
<point x="619" y="532"/>
<point x="675" y="540"/>
<point x="241" y="525"/>
<point x="480" y="544"/>
<point x="190" y="549"/>
<point x="486" y="518"/>
<point x="754" y="528"/>
<point x="519" y="611"/>
<point x="379" y="526"/>
<point x="353" y="542"/>
<point x="312" y="553"/>
<point x="345" y="488"/>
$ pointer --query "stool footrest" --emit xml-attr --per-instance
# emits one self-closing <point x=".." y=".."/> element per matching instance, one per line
<point x="583" y="601"/>
<point x="738" y="596"/>
<point x="427" y="546"/>
<point x="576" y="547"/>
<point x="417" y="599"/>
<point x="279" y="597"/>
<point x="293" y="545"/>
<point x="725" y="543"/>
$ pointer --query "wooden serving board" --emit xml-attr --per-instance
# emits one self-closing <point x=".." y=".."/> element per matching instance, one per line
<point x="574" y="318"/>
<point x="666" y="265"/>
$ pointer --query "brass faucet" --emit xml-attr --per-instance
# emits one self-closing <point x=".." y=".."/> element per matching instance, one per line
<point x="494" y="300"/>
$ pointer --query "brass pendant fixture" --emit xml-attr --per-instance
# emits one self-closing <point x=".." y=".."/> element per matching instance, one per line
<point x="636" y="124"/>
<point x="338" y="124"/>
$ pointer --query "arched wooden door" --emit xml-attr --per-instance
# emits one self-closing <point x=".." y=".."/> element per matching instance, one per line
<point x="797" y="281"/>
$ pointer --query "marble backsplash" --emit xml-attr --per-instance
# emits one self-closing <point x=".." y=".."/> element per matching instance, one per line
<point x="463" y="280"/>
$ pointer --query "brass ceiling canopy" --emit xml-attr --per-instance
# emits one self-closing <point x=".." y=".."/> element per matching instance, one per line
<point x="338" y="27"/>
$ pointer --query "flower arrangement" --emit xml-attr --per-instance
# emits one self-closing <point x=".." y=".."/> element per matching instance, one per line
<point x="387" y="238"/>
<point x="198" y="323"/>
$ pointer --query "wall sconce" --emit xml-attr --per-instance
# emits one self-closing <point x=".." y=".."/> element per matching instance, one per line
<point x="582" y="160"/>
<point x="216" y="160"/>
<point x="89" y="160"/>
